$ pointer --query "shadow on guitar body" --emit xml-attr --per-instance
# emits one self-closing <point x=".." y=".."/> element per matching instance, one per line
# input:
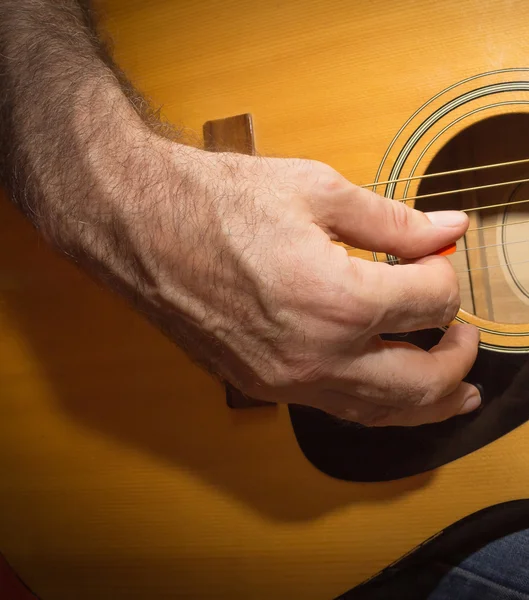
<point x="109" y="370"/>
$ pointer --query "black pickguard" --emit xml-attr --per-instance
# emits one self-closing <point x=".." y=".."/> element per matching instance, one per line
<point x="356" y="453"/>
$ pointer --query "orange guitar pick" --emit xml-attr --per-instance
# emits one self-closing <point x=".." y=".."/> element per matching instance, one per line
<point x="447" y="250"/>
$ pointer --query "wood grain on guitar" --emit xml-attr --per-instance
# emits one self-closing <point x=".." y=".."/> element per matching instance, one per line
<point x="124" y="475"/>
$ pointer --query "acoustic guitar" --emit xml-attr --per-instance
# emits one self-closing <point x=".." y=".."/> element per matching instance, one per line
<point x="126" y="471"/>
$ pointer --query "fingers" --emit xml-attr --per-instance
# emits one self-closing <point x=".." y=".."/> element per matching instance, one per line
<point x="366" y="220"/>
<point x="404" y="376"/>
<point x="407" y="386"/>
<point x="463" y="400"/>
<point x="426" y="377"/>
<point x="457" y="350"/>
<point x="410" y="297"/>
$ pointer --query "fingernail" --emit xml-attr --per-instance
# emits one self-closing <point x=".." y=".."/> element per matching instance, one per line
<point x="471" y="403"/>
<point x="447" y="218"/>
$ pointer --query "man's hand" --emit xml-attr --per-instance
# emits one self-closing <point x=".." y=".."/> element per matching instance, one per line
<point x="232" y="256"/>
<point x="245" y="254"/>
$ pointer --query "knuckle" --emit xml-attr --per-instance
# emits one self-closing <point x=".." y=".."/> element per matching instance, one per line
<point x="440" y="294"/>
<point x="427" y="392"/>
<point x="398" y="216"/>
<point x="453" y="301"/>
<point x="328" y="180"/>
<point x="332" y="182"/>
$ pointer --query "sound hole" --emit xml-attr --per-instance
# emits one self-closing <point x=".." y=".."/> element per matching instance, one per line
<point x="492" y="261"/>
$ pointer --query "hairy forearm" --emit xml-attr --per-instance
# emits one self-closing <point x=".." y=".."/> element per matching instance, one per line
<point x="70" y="124"/>
<point x="85" y="158"/>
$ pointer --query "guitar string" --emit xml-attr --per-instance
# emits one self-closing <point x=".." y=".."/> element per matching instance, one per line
<point x="494" y="226"/>
<point x="478" y="208"/>
<point x="474" y="209"/>
<point x="462" y="190"/>
<point x="443" y="173"/>
<point x="520" y="262"/>
<point x="491" y="246"/>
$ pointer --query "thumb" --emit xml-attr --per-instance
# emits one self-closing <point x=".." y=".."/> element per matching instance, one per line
<point x="368" y="221"/>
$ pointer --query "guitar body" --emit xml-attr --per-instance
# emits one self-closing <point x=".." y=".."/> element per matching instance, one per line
<point x="123" y="472"/>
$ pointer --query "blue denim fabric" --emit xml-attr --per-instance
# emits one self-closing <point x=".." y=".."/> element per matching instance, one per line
<point x="499" y="571"/>
<point x="482" y="557"/>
